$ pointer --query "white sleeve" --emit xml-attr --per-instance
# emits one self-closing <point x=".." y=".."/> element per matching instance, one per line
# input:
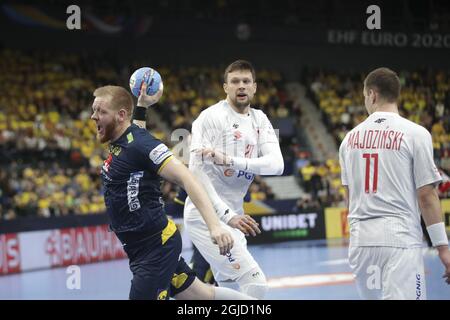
<point x="425" y="171"/>
<point x="202" y="137"/>
<point x="342" y="163"/>
<point x="271" y="161"/>
<point x="266" y="132"/>
<point x="202" y="133"/>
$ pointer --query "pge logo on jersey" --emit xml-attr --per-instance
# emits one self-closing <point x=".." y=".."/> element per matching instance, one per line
<point x="246" y="175"/>
<point x="229" y="173"/>
<point x="241" y="173"/>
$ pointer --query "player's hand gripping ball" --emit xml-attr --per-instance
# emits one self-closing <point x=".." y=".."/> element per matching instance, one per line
<point x="145" y="75"/>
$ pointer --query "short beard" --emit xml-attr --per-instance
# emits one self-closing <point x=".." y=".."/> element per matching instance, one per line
<point x="241" y="105"/>
<point x="109" y="130"/>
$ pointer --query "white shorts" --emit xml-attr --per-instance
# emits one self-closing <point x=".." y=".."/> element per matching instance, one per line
<point x="388" y="273"/>
<point x="224" y="268"/>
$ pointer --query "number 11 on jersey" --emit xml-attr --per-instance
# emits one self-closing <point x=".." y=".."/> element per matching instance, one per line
<point x="367" y="156"/>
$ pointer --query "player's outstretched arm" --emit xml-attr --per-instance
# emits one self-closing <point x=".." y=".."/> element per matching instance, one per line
<point x="430" y="207"/>
<point x="177" y="172"/>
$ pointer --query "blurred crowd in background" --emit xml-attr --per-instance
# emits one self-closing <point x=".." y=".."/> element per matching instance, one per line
<point x="51" y="160"/>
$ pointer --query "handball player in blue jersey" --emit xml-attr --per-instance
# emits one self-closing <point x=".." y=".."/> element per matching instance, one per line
<point x="131" y="177"/>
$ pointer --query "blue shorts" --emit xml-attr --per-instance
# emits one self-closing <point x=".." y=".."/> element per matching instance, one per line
<point x="159" y="272"/>
<point x="201" y="267"/>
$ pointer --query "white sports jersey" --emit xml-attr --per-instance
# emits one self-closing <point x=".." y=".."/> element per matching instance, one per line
<point x="237" y="135"/>
<point x="384" y="160"/>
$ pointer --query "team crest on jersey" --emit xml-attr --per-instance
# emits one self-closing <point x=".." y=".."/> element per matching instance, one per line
<point x="158" y="154"/>
<point x="115" y="150"/>
<point x="237" y="135"/>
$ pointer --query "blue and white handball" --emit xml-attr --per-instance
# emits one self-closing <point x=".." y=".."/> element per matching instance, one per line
<point x="150" y="76"/>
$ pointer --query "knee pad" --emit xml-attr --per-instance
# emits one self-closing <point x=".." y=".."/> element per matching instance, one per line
<point x="253" y="283"/>
<point x="229" y="284"/>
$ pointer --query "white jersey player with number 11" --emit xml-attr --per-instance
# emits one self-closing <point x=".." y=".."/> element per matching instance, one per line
<point x="231" y="143"/>
<point x="387" y="166"/>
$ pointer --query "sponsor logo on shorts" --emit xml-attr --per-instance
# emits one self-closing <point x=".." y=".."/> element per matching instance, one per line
<point x="162" y="295"/>
<point x="232" y="260"/>
<point x="418" y="286"/>
<point x="179" y="279"/>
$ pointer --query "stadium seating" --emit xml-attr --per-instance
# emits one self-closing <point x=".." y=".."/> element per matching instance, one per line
<point x="424" y="97"/>
<point x="52" y="160"/>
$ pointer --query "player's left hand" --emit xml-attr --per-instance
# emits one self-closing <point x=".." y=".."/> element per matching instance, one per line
<point x="246" y="224"/>
<point x="144" y="100"/>
<point x="217" y="157"/>
<point x="223" y="238"/>
<point x="444" y="255"/>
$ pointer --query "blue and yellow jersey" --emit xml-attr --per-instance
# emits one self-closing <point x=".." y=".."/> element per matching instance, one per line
<point x="132" y="184"/>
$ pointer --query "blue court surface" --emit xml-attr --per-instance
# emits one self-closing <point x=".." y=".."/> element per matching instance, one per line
<point x="295" y="270"/>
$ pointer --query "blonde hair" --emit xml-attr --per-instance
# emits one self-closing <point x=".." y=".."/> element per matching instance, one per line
<point x="120" y="98"/>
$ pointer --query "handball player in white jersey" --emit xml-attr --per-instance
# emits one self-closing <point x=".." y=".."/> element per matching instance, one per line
<point x="390" y="176"/>
<point x="231" y="143"/>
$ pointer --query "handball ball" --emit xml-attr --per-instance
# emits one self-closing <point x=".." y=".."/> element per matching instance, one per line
<point x="147" y="75"/>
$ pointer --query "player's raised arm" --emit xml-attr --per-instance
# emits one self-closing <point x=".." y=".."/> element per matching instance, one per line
<point x="145" y="101"/>
<point x="177" y="172"/>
